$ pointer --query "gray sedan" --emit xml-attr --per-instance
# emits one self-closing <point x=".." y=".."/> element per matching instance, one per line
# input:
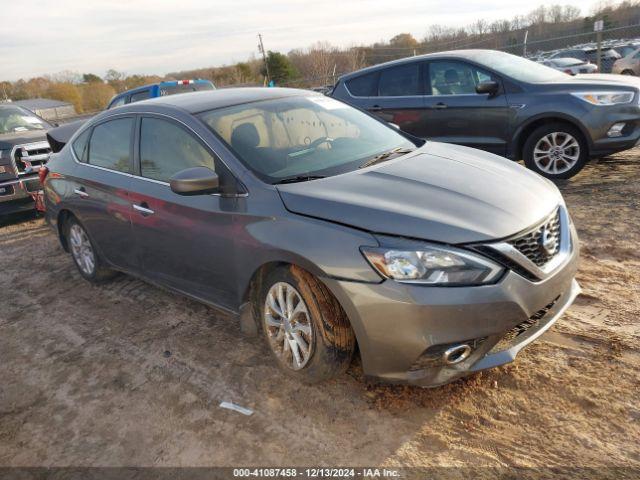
<point x="321" y="228"/>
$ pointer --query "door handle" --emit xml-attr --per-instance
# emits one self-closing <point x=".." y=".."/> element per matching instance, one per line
<point x="144" y="209"/>
<point x="440" y="106"/>
<point x="375" y="108"/>
<point x="81" y="192"/>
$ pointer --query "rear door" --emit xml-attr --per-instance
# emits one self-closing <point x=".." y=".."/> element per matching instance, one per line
<point x="398" y="97"/>
<point x="100" y="188"/>
<point x="185" y="242"/>
<point x="457" y="114"/>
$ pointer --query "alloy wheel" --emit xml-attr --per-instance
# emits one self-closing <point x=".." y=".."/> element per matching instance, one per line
<point x="556" y="152"/>
<point x="288" y="325"/>
<point x="81" y="249"/>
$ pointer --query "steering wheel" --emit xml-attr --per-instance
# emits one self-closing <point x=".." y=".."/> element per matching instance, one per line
<point x="319" y="141"/>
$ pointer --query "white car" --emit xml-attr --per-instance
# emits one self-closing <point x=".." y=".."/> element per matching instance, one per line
<point x="572" y="66"/>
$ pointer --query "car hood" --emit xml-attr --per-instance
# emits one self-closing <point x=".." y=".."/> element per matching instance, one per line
<point x="605" y="79"/>
<point x="443" y="193"/>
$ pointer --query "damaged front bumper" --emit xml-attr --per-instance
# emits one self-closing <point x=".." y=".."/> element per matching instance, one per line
<point x="403" y="330"/>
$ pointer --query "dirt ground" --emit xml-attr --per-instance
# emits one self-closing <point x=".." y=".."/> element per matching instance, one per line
<point x="126" y="374"/>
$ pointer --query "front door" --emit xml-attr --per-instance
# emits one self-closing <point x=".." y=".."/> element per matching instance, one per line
<point x="185" y="242"/>
<point x="457" y="114"/>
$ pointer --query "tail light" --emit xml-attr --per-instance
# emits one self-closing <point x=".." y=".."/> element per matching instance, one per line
<point x="42" y="174"/>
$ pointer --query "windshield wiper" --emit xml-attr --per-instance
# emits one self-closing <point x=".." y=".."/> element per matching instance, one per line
<point x="386" y="155"/>
<point x="299" y="178"/>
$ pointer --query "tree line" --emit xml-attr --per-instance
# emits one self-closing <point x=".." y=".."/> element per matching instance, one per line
<point x="320" y="64"/>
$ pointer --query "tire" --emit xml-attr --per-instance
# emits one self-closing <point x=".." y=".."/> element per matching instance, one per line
<point x="561" y="162"/>
<point x="629" y="72"/>
<point x="320" y="323"/>
<point x="84" y="254"/>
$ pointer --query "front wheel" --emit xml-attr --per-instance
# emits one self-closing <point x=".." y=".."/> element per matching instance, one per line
<point x="556" y="151"/>
<point x="304" y="326"/>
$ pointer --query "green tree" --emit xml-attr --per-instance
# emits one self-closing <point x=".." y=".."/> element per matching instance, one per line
<point x="91" y="78"/>
<point x="281" y="69"/>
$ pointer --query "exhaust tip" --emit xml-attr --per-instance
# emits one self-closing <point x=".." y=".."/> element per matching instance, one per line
<point x="456" y="354"/>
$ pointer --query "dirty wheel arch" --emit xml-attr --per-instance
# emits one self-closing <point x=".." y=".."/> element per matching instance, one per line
<point x="333" y="340"/>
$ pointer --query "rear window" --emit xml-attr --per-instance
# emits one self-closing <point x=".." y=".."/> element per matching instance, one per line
<point x="81" y="145"/>
<point x="364" y="85"/>
<point x="401" y="81"/>
<point x="139" y="96"/>
<point x="172" y="89"/>
<point x="110" y="145"/>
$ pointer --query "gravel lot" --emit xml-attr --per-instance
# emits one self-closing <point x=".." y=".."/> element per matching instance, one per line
<point x="126" y="374"/>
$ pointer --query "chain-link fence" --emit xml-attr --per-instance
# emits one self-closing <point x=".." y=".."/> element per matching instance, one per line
<point x="581" y="42"/>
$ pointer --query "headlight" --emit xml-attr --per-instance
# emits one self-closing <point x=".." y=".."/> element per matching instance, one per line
<point x="605" y="98"/>
<point x="433" y="265"/>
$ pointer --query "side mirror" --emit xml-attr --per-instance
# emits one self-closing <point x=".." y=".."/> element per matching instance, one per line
<point x="195" y="181"/>
<point x="490" y="87"/>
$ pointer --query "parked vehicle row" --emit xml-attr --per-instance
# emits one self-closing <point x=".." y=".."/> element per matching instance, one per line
<point x="503" y="104"/>
<point x="572" y="66"/>
<point x="322" y="227"/>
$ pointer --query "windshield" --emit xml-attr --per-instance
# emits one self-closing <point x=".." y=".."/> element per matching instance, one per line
<point x="516" y="67"/>
<point x="16" y="119"/>
<point x="305" y="136"/>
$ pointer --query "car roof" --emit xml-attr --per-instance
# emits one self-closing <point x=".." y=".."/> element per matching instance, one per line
<point x="464" y="54"/>
<point x="195" y="102"/>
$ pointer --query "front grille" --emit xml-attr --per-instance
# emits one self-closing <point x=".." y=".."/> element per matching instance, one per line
<point x="541" y="244"/>
<point x="506" y="262"/>
<point x="29" y="158"/>
<point x="512" y="336"/>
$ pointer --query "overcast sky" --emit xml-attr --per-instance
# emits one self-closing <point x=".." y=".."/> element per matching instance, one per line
<point x="155" y="36"/>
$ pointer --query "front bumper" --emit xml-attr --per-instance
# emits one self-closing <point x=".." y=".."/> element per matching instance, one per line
<point x="600" y="119"/>
<point x="15" y="195"/>
<point x="397" y="324"/>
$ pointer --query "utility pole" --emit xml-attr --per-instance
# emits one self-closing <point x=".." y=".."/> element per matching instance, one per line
<point x="524" y="50"/>
<point x="264" y="58"/>
<point x="598" y="26"/>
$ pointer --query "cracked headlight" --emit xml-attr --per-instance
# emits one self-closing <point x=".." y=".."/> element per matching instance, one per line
<point x="605" y="98"/>
<point x="433" y="265"/>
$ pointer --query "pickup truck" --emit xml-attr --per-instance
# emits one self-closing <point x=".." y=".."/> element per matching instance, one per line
<point x="23" y="150"/>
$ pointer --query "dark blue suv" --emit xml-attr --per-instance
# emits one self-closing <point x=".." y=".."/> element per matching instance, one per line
<point x="503" y="104"/>
<point x="160" y="90"/>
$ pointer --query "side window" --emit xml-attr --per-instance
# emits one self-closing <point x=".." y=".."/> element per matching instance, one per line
<point x="455" y="78"/>
<point x="110" y="145"/>
<point x="364" y="85"/>
<point x="136" y="97"/>
<point x="166" y="148"/>
<point x="81" y="146"/>
<point x="401" y="81"/>
<point x="117" y="102"/>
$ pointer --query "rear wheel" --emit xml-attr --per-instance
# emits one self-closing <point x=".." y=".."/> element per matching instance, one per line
<point x="555" y="151"/>
<point x="84" y="253"/>
<point x="304" y="326"/>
